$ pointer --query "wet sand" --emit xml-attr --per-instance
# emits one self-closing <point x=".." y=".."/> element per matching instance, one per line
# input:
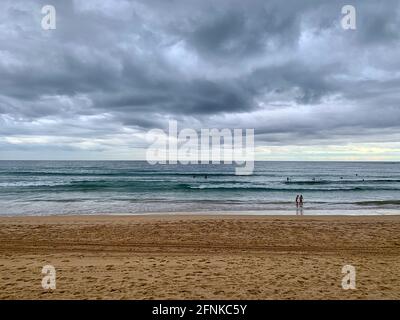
<point x="200" y="257"/>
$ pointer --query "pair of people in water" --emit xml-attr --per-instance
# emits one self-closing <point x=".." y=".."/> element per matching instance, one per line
<point x="299" y="200"/>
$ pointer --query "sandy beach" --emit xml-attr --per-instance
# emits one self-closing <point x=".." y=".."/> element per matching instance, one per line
<point x="200" y="257"/>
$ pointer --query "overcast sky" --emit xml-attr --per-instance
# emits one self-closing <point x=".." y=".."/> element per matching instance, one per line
<point x="112" y="70"/>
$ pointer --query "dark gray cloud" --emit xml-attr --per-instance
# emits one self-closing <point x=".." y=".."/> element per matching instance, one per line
<point x="285" y="68"/>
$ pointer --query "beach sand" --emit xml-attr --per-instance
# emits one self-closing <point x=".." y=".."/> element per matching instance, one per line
<point x="200" y="257"/>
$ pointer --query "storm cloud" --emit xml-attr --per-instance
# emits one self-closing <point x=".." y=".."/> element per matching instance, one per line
<point x="112" y="70"/>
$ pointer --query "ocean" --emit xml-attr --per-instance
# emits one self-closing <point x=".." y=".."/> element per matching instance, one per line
<point x="136" y="187"/>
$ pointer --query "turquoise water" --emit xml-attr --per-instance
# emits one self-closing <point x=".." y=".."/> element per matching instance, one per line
<point x="106" y="187"/>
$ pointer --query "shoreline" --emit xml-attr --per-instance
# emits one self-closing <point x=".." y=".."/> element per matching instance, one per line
<point x="198" y="215"/>
<point x="224" y="213"/>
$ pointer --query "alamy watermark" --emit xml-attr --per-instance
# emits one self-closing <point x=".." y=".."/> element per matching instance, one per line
<point x="349" y="21"/>
<point x="49" y="280"/>
<point x="349" y="280"/>
<point x="214" y="146"/>
<point x="49" y="19"/>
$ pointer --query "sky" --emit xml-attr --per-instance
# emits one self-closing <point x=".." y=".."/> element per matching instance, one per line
<point x="113" y="70"/>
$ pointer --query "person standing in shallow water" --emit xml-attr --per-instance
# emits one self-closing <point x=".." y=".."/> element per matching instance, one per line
<point x="299" y="205"/>
<point x="301" y="199"/>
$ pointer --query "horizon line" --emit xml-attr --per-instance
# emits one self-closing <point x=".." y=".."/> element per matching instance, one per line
<point x="114" y="160"/>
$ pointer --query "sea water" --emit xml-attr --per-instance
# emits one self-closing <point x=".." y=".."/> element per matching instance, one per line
<point x="136" y="187"/>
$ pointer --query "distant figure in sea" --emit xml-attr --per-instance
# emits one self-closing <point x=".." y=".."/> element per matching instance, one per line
<point x="205" y="177"/>
<point x="299" y="205"/>
<point x="287" y="179"/>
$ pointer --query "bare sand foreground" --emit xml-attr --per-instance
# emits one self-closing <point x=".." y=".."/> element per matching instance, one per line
<point x="200" y="257"/>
